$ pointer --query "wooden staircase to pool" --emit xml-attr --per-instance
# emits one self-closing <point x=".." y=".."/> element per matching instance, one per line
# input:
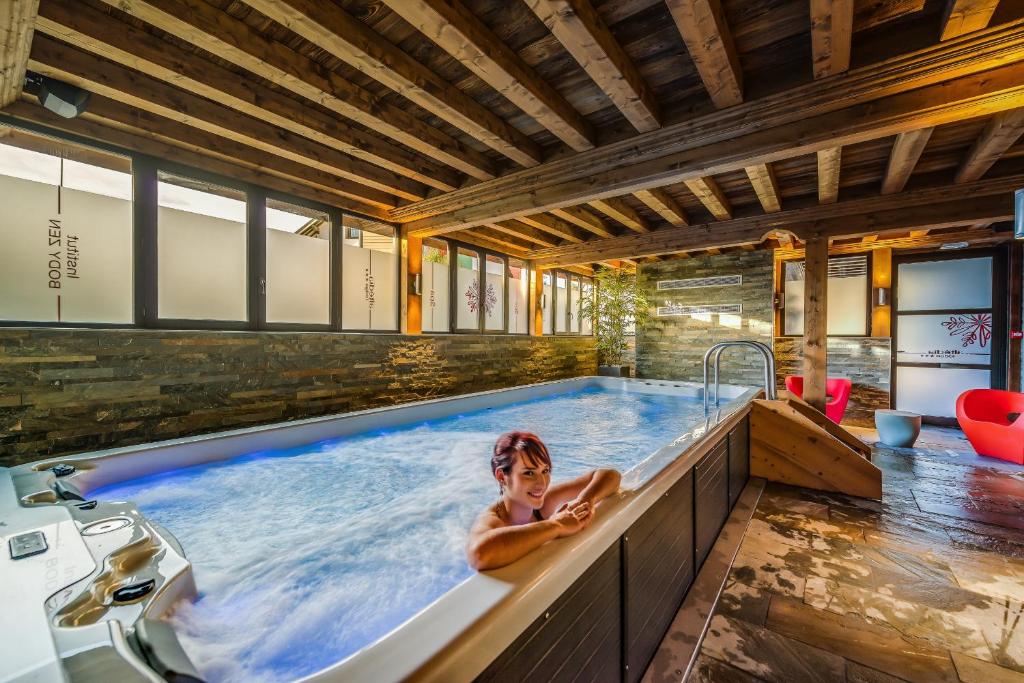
<point x="792" y="443"/>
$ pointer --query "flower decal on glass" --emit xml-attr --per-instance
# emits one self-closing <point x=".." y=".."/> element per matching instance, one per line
<point x="473" y="298"/>
<point x="973" y="328"/>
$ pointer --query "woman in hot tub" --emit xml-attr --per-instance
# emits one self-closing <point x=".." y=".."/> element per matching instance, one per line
<point x="530" y="511"/>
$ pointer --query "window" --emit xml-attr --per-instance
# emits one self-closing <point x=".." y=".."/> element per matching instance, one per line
<point x="587" y="292"/>
<point x="549" y="303"/>
<point x="298" y="278"/>
<point x="574" y="304"/>
<point x="467" y="289"/>
<point x="201" y="251"/>
<point x="369" y="276"/>
<point x="847" y="296"/>
<point x="518" y="297"/>
<point x="493" y="295"/>
<point x="561" y="303"/>
<point x="434" y="286"/>
<point x="66" y="231"/>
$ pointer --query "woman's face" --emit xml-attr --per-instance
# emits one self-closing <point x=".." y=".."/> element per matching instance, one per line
<point x="527" y="483"/>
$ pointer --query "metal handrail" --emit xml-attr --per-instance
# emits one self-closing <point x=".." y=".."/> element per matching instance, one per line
<point x="715" y="354"/>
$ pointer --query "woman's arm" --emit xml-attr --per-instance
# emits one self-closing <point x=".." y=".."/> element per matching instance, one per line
<point x="590" y="487"/>
<point x="492" y="544"/>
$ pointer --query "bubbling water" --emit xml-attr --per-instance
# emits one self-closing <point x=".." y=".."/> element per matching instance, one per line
<point x="304" y="556"/>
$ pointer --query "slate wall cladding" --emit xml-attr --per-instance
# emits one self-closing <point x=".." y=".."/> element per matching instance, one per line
<point x="865" y="360"/>
<point x="672" y="347"/>
<point x="65" y="391"/>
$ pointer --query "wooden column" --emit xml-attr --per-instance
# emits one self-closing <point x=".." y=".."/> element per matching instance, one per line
<point x="536" y="293"/>
<point x="881" y="276"/>
<point x="815" y="321"/>
<point x="412" y="321"/>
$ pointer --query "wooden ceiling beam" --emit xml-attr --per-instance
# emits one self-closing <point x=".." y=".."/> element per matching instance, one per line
<point x="704" y="29"/>
<point x="178" y="143"/>
<point x="517" y="229"/>
<point x="481" y="239"/>
<point x="964" y="16"/>
<point x="580" y="30"/>
<point x="554" y="226"/>
<point x="17" y="21"/>
<point x="331" y="28"/>
<point x="831" y="36"/>
<point x="711" y="196"/>
<point x="1001" y="132"/>
<point x="903" y="158"/>
<point x="926" y="239"/>
<point x="932" y="208"/>
<point x="217" y="32"/>
<point x="454" y="28"/>
<point x="617" y="209"/>
<point x="584" y="219"/>
<point x="662" y="203"/>
<point x="830" y="162"/>
<point x="766" y="186"/>
<point x="101" y="34"/>
<point x="508" y="243"/>
<point x="905" y="93"/>
<point x="68" y="64"/>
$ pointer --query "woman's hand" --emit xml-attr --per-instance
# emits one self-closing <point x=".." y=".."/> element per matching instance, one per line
<point x="572" y="518"/>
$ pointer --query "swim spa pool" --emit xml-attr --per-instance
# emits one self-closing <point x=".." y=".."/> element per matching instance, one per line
<point x="310" y="542"/>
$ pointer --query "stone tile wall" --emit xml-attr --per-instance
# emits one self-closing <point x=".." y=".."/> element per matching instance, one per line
<point x="865" y="360"/>
<point x="673" y="347"/>
<point x="64" y="391"/>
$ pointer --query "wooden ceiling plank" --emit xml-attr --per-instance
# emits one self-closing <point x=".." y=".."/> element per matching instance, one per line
<point x="829" y="163"/>
<point x="454" y="28"/>
<point x="510" y="244"/>
<point x="68" y="64"/>
<point x="933" y="208"/>
<point x="579" y="28"/>
<point x="904" y="93"/>
<point x="617" y="209"/>
<point x="584" y="219"/>
<point x="197" y="22"/>
<point x="664" y="205"/>
<point x="766" y="186"/>
<point x="17" y="21"/>
<point x="926" y="239"/>
<point x="554" y="226"/>
<point x="704" y="29"/>
<point x="903" y="158"/>
<point x="177" y="143"/>
<point x="101" y="34"/>
<point x="332" y="28"/>
<point x="1001" y="132"/>
<point x="518" y="229"/>
<point x="831" y="36"/>
<point x="711" y="196"/>
<point x="964" y="16"/>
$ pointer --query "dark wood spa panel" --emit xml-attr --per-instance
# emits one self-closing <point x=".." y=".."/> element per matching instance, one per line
<point x="739" y="459"/>
<point x="578" y="638"/>
<point x="711" y="498"/>
<point x="658" y="570"/>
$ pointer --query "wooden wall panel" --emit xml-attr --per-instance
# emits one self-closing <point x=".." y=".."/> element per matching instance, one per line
<point x="711" y="500"/>
<point x="739" y="459"/>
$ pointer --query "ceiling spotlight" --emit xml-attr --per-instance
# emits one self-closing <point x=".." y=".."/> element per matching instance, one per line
<point x="61" y="98"/>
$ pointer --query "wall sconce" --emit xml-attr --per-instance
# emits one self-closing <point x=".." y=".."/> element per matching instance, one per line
<point x="415" y="284"/>
<point x="543" y="300"/>
<point x="881" y="296"/>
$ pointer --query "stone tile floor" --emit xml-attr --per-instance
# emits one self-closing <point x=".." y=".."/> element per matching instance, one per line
<point x="926" y="585"/>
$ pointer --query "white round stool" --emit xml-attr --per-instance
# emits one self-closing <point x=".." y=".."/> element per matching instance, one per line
<point x="897" y="428"/>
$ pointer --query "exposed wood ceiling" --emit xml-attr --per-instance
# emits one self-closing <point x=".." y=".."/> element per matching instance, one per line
<point x="568" y="127"/>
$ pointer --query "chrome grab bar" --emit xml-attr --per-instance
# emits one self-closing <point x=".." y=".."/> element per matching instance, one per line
<point x="715" y="354"/>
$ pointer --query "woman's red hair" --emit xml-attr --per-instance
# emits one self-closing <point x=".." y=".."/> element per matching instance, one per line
<point x="512" y="444"/>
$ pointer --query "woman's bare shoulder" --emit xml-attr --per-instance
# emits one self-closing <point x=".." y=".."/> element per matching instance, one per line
<point x="490" y="518"/>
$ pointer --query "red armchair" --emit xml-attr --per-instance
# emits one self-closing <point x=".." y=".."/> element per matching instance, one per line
<point x="837" y="388"/>
<point x="985" y="417"/>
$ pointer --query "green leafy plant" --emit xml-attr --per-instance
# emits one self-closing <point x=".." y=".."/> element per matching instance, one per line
<point x="617" y="304"/>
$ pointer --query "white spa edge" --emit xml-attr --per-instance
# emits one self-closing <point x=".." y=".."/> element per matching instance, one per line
<point x="458" y="635"/>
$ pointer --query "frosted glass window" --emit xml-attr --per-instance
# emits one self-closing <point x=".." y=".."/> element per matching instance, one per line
<point x="548" y="302"/>
<point x="947" y="284"/>
<point x="561" y="301"/>
<point x="574" y="305"/>
<point x="298" y="265"/>
<point x="467" y="290"/>
<point x="586" y="323"/>
<point x="65" y="233"/>
<point x="518" y="297"/>
<point x="847" y="296"/>
<point x="369" y="275"/>
<point x="201" y="251"/>
<point x="494" y="294"/>
<point x="958" y="339"/>
<point x="434" y="286"/>
<point x="933" y="391"/>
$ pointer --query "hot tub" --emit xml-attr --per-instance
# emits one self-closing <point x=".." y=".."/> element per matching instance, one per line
<point x="331" y="549"/>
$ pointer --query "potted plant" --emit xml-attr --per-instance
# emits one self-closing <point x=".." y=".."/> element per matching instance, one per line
<point x="618" y="303"/>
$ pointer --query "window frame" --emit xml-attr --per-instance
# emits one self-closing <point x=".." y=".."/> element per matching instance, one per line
<point x="451" y="245"/>
<point x="336" y="292"/>
<point x="453" y="264"/>
<point x="569" y="276"/>
<point x="527" y="272"/>
<point x="867" y="314"/>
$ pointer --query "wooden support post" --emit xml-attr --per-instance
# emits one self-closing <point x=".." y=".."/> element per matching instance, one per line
<point x="881" y="276"/>
<point x="536" y="297"/>
<point x="815" y="321"/>
<point x="412" y="323"/>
